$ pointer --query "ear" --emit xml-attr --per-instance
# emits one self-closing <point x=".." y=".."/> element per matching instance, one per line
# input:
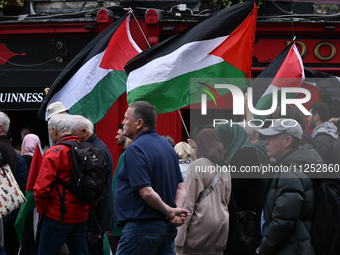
<point x="83" y="132"/>
<point x="316" y="116"/>
<point x="140" y="124"/>
<point x="54" y="130"/>
<point x="288" y="141"/>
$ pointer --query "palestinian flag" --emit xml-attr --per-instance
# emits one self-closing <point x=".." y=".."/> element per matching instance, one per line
<point x="28" y="207"/>
<point x="95" y="78"/>
<point x="286" y="70"/>
<point x="220" y="46"/>
<point x="328" y="84"/>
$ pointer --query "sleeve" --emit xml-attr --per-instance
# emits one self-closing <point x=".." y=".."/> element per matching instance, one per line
<point x="322" y="145"/>
<point x="137" y="168"/>
<point x="21" y="174"/>
<point x="46" y="176"/>
<point x="288" y="205"/>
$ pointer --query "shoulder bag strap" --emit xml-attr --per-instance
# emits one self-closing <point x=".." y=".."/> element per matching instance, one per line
<point x="207" y="191"/>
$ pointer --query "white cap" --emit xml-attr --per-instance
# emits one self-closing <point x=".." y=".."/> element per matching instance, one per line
<point x="288" y="126"/>
<point x="55" y="108"/>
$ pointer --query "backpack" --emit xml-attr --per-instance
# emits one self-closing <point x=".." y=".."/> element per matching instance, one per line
<point x="90" y="172"/>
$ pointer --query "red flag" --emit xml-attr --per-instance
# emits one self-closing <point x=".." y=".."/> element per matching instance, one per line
<point x="35" y="166"/>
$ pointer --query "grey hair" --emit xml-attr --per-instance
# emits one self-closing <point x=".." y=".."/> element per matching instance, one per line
<point x="145" y="111"/>
<point x="61" y="122"/>
<point x="5" y="122"/>
<point x="251" y="131"/>
<point x="80" y="122"/>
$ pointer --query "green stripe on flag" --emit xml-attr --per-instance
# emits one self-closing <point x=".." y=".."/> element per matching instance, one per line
<point x="96" y="104"/>
<point x="106" y="243"/>
<point x="174" y="94"/>
<point x="24" y="210"/>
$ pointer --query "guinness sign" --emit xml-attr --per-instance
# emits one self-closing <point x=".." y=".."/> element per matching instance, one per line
<point x="21" y="98"/>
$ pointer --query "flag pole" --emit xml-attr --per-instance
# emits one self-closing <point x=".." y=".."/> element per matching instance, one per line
<point x="131" y="11"/>
<point x="186" y="130"/>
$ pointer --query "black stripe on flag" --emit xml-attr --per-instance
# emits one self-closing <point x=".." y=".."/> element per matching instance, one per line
<point x="328" y="84"/>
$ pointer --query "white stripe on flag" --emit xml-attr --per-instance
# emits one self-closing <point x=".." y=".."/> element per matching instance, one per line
<point x="300" y="60"/>
<point x="189" y="57"/>
<point x="81" y="83"/>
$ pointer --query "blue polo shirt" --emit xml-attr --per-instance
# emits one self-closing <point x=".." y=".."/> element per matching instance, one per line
<point x="150" y="161"/>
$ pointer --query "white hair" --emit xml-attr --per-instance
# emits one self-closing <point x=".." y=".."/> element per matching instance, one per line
<point x="80" y="122"/>
<point x="5" y="122"/>
<point x="61" y="122"/>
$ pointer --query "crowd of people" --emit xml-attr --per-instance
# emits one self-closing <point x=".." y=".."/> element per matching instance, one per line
<point x="167" y="198"/>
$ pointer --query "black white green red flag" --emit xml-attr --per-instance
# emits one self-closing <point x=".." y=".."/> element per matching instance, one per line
<point x="286" y="70"/>
<point x="95" y="78"/>
<point x="26" y="208"/>
<point x="220" y="46"/>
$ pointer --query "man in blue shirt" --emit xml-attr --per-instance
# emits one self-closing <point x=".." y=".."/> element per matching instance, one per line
<point x="150" y="191"/>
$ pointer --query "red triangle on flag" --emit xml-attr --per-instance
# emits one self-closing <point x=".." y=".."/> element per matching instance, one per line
<point x="34" y="169"/>
<point x="291" y="71"/>
<point x="121" y="48"/>
<point x="237" y="48"/>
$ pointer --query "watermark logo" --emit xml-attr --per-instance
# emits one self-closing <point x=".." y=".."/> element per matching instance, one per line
<point x="252" y="123"/>
<point x="238" y="99"/>
<point x="204" y="97"/>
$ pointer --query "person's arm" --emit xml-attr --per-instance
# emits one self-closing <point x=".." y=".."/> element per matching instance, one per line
<point x="43" y="184"/>
<point x="180" y="200"/>
<point x="181" y="194"/>
<point x="322" y="146"/>
<point x="155" y="201"/>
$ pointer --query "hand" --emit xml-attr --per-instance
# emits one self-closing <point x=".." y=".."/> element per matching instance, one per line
<point x="93" y="238"/>
<point x="334" y="120"/>
<point x="178" y="220"/>
<point x="177" y="216"/>
<point x="192" y="143"/>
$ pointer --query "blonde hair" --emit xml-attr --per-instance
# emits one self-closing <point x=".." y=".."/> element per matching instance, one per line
<point x="185" y="151"/>
<point x="128" y="141"/>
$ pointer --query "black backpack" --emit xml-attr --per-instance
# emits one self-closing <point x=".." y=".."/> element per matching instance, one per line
<point x="90" y="172"/>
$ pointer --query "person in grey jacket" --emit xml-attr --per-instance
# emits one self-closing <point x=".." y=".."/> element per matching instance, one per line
<point x="325" y="133"/>
<point x="288" y="208"/>
<point x="325" y="228"/>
